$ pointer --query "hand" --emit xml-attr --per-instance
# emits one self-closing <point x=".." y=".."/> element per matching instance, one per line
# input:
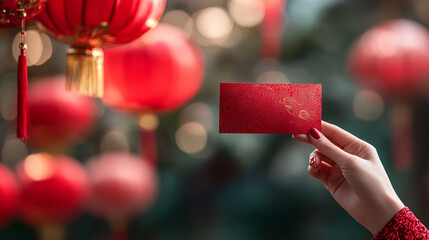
<point x="352" y="172"/>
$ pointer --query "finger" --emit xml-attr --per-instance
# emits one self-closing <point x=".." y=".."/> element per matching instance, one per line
<point x="317" y="168"/>
<point x="348" y="142"/>
<point x="302" y="138"/>
<point x="339" y="136"/>
<point x="326" y="167"/>
<point x="329" y="149"/>
<point x="322" y="157"/>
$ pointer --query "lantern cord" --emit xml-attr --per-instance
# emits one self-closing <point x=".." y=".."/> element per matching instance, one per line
<point x="22" y="101"/>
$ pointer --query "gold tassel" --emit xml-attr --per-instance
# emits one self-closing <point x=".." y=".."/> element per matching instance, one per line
<point x="85" y="71"/>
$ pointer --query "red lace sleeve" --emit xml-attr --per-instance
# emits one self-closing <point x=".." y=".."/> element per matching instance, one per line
<point x="404" y="225"/>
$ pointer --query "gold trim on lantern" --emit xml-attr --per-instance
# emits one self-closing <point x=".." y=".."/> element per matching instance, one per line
<point x="85" y="71"/>
<point x="84" y="36"/>
<point x="30" y="4"/>
<point x="6" y="14"/>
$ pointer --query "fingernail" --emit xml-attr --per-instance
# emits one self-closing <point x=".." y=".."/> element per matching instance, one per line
<point x="312" y="161"/>
<point x="315" y="133"/>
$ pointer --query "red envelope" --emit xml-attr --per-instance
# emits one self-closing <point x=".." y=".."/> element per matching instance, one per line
<point x="269" y="108"/>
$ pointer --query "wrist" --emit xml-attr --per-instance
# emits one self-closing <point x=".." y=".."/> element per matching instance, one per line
<point x="387" y="208"/>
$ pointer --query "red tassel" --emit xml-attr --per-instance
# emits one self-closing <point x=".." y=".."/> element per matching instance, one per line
<point x="272" y="28"/>
<point x="403" y="151"/>
<point x="22" y="119"/>
<point x="148" y="146"/>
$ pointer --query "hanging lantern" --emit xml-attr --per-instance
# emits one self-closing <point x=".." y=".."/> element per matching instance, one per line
<point x="156" y="73"/>
<point x="17" y="13"/>
<point x="8" y="194"/>
<point x="392" y="59"/>
<point x="53" y="189"/>
<point x="14" y="12"/>
<point x="122" y="186"/>
<point x="272" y="28"/>
<point x="88" y="26"/>
<point x="58" y="117"/>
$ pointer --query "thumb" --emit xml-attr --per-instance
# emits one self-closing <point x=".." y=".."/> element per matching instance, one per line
<point x="329" y="149"/>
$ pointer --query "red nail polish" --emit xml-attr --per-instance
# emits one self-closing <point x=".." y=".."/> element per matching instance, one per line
<point x="315" y="133"/>
<point x="312" y="161"/>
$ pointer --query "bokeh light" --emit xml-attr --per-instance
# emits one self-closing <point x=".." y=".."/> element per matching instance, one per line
<point x="47" y="49"/>
<point x="368" y="105"/>
<point x="179" y="19"/>
<point x="247" y="13"/>
<point x="191" y="137"/>
<point x="148" y="121"/>
<point x="151" y="23"/>
<point x="13" y="151"/>
<point x="38" y="166"/>
<point x="233" y="39"/>
<point x="39" y="47"/>
<point x="214" y="23"/>
<point x="198" y="112"/>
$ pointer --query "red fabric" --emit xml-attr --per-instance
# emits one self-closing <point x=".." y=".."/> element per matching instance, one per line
<point x="122" y="186"/>
<point x="53" y="188"/>
<point x="22" y="111"/>
<point x="76" y="21"/>
<point x="269" y="108"/>
<point x="404" y="225"/>
<point x="383" y="60"/>
<point x="34" y="8"/>
<point x="9" y="191"/>
<point x="159" y="72"/>
<point x="272" y="27"/>
<point x="58" y="118"/>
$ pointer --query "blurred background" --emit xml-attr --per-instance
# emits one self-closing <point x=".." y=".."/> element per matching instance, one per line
<point x="208" y="185"/>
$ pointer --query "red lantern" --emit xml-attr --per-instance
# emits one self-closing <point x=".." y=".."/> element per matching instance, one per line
<point x="393" y="58"/>
<point x="8" y="194"/>
<point x="122" y="186"/>
<point x="159" y="72"/>
<point x="272" y="27"/>
<point x="16" y="13"/>
<point x="13" y="12"/>
<point x="88" y="26"/>
<point x="53" y="188"/>
<point x="58" y="117"/>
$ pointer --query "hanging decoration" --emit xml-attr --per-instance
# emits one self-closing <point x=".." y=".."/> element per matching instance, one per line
<point x="58" y="118"/>
<point x="89" y="26"/>
<point x="53" y="191"/>
<point x="272" y="28"/>
<point x="17" y="13"/>
<point x="122" y="186"/>
<point x="392" y="59"/>
<point x="156" y="73"/>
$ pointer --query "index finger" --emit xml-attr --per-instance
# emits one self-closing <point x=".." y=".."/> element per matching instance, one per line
<point x="340" y="137"/>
